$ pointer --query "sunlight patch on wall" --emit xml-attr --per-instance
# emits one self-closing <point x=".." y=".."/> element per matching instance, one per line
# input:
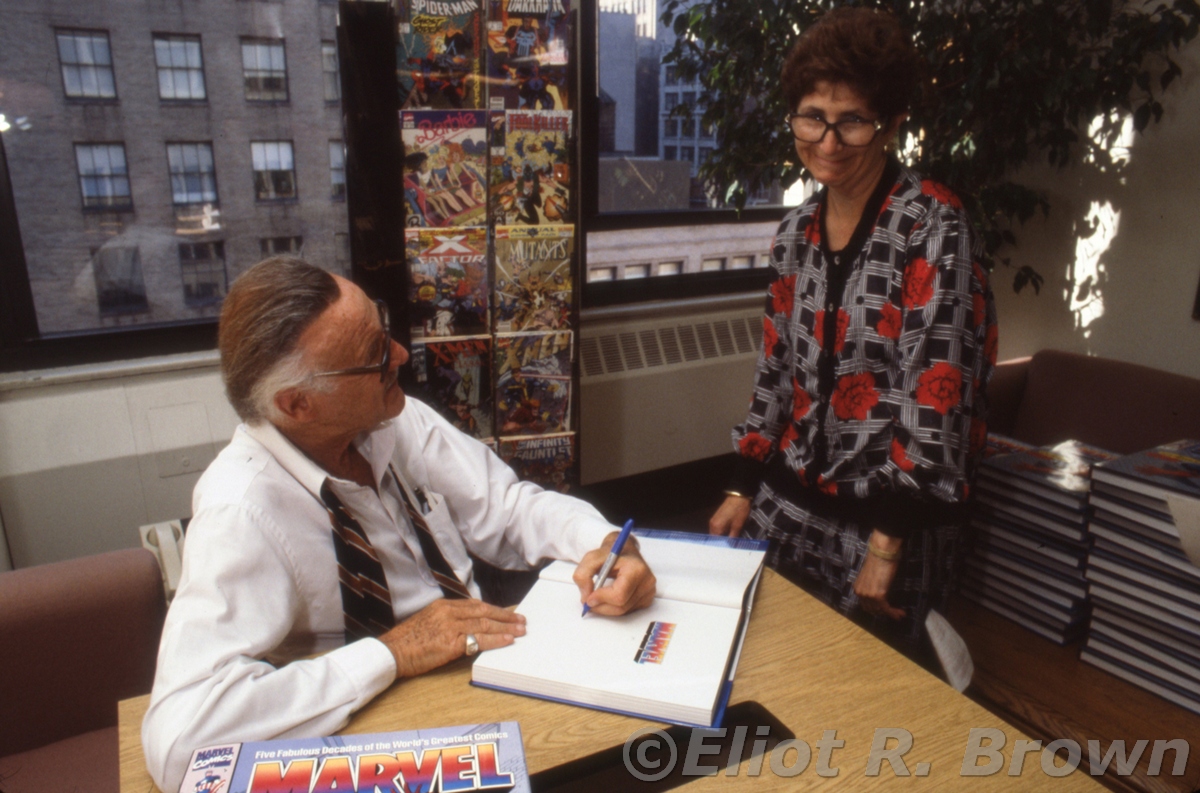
<point x="1086" y="276"/>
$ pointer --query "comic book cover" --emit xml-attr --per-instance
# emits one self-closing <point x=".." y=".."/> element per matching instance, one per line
<point x="533" y="383"/>
<point x="548" y="460"/>
<point x="445" y="167"/>
<point x="527" y="46"/>
<point x="448" y="285"/>
<point x="469" y="757"/>
<point x="531" y="185"/>
<point x="454" y="375"/>
<point x="533" y="277"/>
<point x="439" y="53"/>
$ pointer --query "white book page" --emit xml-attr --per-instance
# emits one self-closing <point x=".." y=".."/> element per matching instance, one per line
<point x="715" y="575"/>
<point x="593" y="659"/>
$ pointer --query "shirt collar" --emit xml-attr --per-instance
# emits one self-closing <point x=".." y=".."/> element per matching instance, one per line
<point x="376" y="446"/>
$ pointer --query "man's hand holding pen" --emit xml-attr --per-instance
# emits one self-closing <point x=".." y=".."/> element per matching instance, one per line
<point x="632" y="584"/>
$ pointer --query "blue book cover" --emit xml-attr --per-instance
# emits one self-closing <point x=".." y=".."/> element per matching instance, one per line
<point x="465" y="758"/>
<point x="1065" y="467"/>
<point x="1171" y="468"/>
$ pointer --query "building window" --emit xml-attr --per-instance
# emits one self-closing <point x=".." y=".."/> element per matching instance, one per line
<point x="180" y="68"/>
<point x="706" y="131"/>
<point x="670" y="268"/>
<point x="709" y="265"/>
<point x="669" y="153"/>
<point x="602" y="274"/>
<point x="687" y="154"/>
<point x="337" y="169"/>
<point x="274" y="171"/>
<point x="741" y="263"/>
<point x="193" y="177"/>
<point x="329" y="67"/>
<point x="671" y="127"/>
<point x="120" y="288"/>
<point x="276" y="246"/>
<point x="705" y="153"/>
<point x="264" y="67"/>
<point x="103" y="175"/>
<point x="637" y="271"/>
<point x="689" y="97"/>
<point x="341" y="251"/>
<point x="670" y="100"/>
<point x="672" y="77"/>
<point x="86" y="61"/>
<point x="689" y="128"/>
<point x="202" y="265"/>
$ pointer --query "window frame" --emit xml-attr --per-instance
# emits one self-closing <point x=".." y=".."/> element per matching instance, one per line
<point x="171" y="174"/>
<point x="215" y="245"/>
<point x="334" y="193"/>
<point x="258" y="41"/>
<point x="159" y="68"/>
<point x="84" y="98"/>
<point x="128" y="206"/>
<point x="275" y="199"/>
<point x="142" y="307"/>
<point x="327" y="75"/>
<point x="603" y="293"/>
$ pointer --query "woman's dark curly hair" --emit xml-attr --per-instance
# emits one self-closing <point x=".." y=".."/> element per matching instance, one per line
<point x="864" y="48"/>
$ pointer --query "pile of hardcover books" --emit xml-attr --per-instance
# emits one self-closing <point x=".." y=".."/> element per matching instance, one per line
<point x="1142" y="571"/>
<point x="1030" y="527"/>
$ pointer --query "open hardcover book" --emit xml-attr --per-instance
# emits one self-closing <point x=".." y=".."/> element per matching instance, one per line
<point x="673" y="661"/>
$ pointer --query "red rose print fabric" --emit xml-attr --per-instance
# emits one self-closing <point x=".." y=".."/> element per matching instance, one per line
<point x="892" y="404"/>
<point x="940" y="387"/>
<point x="854" y="396"/>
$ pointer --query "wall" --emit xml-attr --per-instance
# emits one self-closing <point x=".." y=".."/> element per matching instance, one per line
<point x="1147" y="277"/>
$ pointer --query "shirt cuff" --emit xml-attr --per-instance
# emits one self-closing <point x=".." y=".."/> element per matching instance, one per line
<point x="369" y="666"/>
<point x="748" y="474"/>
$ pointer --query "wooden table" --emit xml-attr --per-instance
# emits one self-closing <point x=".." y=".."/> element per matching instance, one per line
<point x="812" y="668"/>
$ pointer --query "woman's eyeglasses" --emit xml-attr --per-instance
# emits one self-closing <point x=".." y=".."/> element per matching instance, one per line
<point x="811" y="128"/>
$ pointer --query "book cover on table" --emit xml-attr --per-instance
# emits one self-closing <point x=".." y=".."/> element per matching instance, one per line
<point x="674" y="661"/>
<point x="436" y="760"/>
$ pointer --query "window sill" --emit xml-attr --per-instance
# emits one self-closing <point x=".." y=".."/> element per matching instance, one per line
<point x="182" y="102"/>
<point x="16" y="381"/>
<point x="125" y="209"/>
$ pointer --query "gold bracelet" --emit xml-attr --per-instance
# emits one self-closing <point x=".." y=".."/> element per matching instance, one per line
<point x="738" y="495"/>
<point x="887" y="556"/>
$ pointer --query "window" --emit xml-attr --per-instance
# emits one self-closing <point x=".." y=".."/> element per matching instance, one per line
<point x="709" y="265"/>
<point x="103" y="175"/>
<point x="180" y="68"/>
<point x="264" y="67"/>
<point x="671" y="127"/>
<point x="669" y="153"/>
<point x="329" y="68"/>
<point x="687" y="153"/>
<point x="689" y="97"/>
<point x="202" y="266"/>
<point x="119" y="285"/>
<point x="689" y="128"/>
<point x="670" y="99"/>
<point x="672" y="77"/>
<point x="274" y="171"/>
<point x="275" y="246"/>
<point x="637" y="271"/>
<point x="86" y="62"/>
<point x="705" y="153"/>
<point x="602" y="274"/>
<point x="193" y="177"/>
<point x="669" y="268"/>
<point x="337" y="169"/>
<point x="741" y="263"/>
<point x="341" y="251"/>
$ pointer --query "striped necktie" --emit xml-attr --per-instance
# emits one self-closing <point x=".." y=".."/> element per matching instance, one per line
<point x="451" y="586"/>
<point x="366" y="600"/>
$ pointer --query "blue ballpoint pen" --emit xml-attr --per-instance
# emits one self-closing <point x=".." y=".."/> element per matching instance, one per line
<point x="613" y="553"/>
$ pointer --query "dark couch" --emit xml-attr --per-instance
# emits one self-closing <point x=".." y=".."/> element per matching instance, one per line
<point x="1122" y="407"/>
<point x="75" y="637"/>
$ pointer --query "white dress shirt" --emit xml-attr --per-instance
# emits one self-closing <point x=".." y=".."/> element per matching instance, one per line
<point x="259" y="586"/>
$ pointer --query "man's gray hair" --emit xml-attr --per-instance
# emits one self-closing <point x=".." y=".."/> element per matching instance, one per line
<point x="266" y="311"/>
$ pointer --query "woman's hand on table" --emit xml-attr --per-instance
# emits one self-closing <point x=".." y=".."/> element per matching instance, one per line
<point x="876" y="576"/>
<point x="730" y="517"/>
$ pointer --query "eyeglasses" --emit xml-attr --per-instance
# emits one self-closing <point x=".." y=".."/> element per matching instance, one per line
<point x="384" y="364"/>
<point x="853" y="131"/>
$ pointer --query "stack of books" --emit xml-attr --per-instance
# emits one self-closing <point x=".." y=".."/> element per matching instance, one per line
<point x="1030" y="527"/>
<point x="1142" y="571"/>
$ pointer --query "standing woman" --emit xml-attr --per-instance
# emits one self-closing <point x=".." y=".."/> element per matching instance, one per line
<point x="879" y="339"/>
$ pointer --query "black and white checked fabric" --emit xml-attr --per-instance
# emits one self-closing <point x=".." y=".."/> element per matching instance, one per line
<point x="915" y="344"/>
<point x="366" y="600"/>
<point x="823" y="557"/>
<point x="451" y="586"/>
